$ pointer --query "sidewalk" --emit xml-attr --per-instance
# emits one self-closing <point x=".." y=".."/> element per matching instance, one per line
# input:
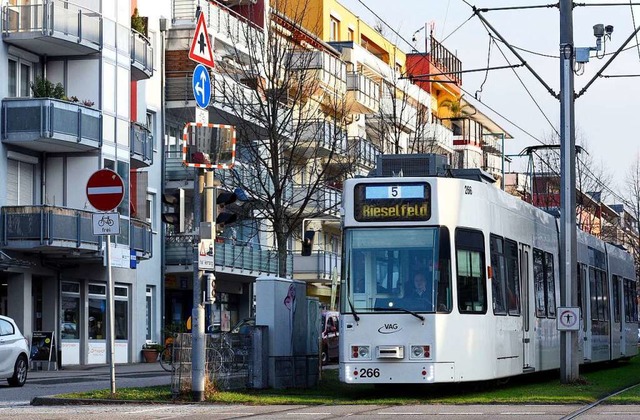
<point x="89" y="370"/>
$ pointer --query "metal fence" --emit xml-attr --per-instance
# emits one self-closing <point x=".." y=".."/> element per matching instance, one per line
<point x="228" y="362"/>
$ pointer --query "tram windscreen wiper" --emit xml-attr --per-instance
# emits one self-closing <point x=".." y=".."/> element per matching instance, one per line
<point x="397" y="308"/>
<point x="353" y="310"/>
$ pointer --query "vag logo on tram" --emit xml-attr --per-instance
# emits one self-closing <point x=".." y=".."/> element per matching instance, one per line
<point x="389" y="329"/>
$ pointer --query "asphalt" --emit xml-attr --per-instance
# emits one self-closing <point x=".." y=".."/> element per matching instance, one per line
<point x="81" y="373"/>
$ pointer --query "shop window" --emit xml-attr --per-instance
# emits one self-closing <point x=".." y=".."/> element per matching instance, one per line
<point x="70" y="311"/>
<point x="97" y="312"/>
<point x="121" y="306"/>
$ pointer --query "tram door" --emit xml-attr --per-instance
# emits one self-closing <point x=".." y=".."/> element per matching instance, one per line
<point x="528" y="333"/>
<point x="585" y="310"/>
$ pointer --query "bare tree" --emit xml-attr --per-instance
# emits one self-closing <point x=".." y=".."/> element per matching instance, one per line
<point x="633" y="199"/>
<point x="591" y="181"/>
<point x="283" y="90"/>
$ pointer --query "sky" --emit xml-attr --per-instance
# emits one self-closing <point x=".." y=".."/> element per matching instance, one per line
<point x="607" y="115"/>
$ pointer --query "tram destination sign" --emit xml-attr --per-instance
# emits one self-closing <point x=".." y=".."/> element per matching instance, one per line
<point x="392" y="202"/>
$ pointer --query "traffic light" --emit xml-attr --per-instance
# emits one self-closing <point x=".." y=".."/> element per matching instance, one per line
<point x="224" y="218"/>
<point x="307" y="243"/>
<point x="174" y="201"/>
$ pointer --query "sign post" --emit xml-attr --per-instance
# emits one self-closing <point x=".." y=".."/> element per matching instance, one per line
<point x="105" y="191"/>
<point x="200" y="52"/>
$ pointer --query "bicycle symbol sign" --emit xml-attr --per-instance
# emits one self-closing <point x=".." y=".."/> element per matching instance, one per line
<point x="106" y="223"/>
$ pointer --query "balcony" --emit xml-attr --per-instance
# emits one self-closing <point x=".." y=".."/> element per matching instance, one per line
<point x="239" y="258"/>
<point x="55" y="231"/>
<point x="363" y="151"/>
<point x="398" y="110"/>
<point x="141" y="147"/>
<point x="327" y="71"/>
<point x="363" y="94"/>
<point x="324" y="200"/>
<point x="141" y="57"/>
<point x="52" y="28"/>
<point x="141" y="238"/>
<point x="434" y="138"/>
<point x="318" y="138"/>
<point x="48" y="230"/>
<point x="318" y="267"/>
<point x="51" y="125"/>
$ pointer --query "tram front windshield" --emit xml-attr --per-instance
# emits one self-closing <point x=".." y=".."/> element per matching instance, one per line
<point x="403" y="269"/>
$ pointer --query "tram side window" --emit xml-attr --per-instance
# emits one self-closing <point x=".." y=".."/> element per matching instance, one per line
<point x="513" y="277"/>
<point x="470" y="272"/>
<point x="544" y="284"/>
<point x="630" y="307"/>
<point x="443" y="298"/>
<point x="599" y="295"/>
<point x="615" y="298"/>
<point x="499" y="275"/>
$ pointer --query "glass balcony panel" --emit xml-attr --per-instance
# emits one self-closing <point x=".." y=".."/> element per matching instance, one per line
<point x="51" y="125"/>
<point x="53" y="28"/>
<point x="141" y="56"/>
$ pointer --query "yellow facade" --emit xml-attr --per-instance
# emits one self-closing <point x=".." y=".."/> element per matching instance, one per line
<point x="332" y="22"/>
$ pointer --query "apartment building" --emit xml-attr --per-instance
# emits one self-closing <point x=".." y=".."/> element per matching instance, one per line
<point x="81" y="94"/>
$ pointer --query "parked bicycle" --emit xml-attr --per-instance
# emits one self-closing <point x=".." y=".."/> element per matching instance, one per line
<point x="166" y="355"/>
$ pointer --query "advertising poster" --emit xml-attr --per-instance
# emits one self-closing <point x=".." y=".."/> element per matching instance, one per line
<point x="41" y="345"/>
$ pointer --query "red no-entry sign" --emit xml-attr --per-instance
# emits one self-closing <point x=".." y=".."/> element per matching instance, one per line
<point x="105" y="190"/>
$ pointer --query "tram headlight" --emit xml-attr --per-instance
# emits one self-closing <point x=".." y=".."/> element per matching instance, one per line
<point x="360" y="352"/>
<point x="420" y="352"/>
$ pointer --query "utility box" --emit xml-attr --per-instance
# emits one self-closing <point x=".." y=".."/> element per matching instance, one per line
<point x="282" y="305"/>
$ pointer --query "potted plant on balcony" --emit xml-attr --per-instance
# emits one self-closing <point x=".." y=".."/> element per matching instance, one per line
<point x="43" y="88"/>
<point x="139" y="23"/>
<point x="150" y="352"/>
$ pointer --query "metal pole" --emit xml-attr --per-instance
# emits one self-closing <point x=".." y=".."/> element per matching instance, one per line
<point x="197" y="314"/>
<point x="568" y="256"/>
<point x="111" y="342"/>
<point x="502" y="179"/>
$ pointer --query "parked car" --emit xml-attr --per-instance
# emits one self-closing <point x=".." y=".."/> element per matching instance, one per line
<point x="14" y="353"/>
<point x="330" y="336"/>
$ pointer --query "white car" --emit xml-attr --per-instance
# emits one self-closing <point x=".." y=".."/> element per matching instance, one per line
<point x="14" y="353"/>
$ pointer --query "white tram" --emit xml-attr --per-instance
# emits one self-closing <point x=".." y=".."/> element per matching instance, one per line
<point x="492" y="280"/>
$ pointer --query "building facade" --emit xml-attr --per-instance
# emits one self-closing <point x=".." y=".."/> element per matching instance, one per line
<point x="81" y="94"/>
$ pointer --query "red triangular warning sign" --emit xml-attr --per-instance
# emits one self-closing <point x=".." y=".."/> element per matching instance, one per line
<point x="200" y="50"/>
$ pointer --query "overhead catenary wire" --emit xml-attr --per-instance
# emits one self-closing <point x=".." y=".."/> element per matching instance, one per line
<point x="477" y="13"/>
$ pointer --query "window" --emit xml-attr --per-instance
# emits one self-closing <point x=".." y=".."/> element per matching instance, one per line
<point x="121" y="311"/>
<point x="513" y="277"/>
<point x="615" y="283"/>
<point x="6" y="328"/>
<point x="335" y="30"/>
<point x="470" y="272"/>
<point x="350" y="34"/>
<point x="630" y="307"/>
<point x="544" y="284"/>
<point x="498" y="281"/>
<point x="20" y="183"/>
<point x="70" y="311"/>
<point x="149" y="313"/>
<point x="97" y="311"/>
<point x="19" y="78"/>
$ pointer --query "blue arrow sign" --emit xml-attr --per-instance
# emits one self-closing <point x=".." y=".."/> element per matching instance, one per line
<point x="201" y="86"/>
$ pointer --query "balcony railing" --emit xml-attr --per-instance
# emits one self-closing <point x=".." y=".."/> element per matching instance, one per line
<point x="53" y="28"/>
<point x="51" y="125"/>
<point x="323" y="199"/>
<point x="141" y="238"/>
<point x="438" y="134"/>
<point x="365" y="152"/>
<point x="141" y="56"/>
<point x="141" y="147"/>
<point x="52" y="230"/>
<point x="323" y="137"/>
<point x="330" y="71"/>
<point x="223" y="24"/>
<point x="403" y="113"/>
<point x="321" y="265"/>
<point x="239" y="257"/>
<point x="47" y="228"/>
<point x="364" y="93"/>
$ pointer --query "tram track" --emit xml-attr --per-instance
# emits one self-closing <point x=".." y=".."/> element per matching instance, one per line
<point x="594" y="404"/>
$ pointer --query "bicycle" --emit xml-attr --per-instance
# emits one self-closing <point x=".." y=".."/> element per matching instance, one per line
<point x="166" y="355"/>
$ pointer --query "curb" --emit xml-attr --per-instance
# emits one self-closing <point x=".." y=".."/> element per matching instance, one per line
<point x="44" y="401"/>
